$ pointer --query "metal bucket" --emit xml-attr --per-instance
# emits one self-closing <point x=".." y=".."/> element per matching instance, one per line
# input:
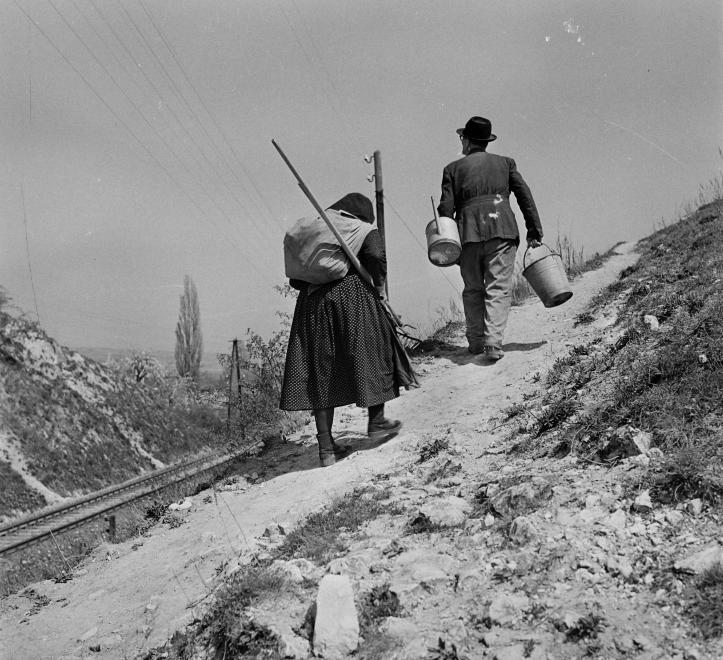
<point x="546" y="275"/>
<point x="443" y="244"/>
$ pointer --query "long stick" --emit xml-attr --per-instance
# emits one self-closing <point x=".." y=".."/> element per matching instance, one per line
<point x="352" y="257"/>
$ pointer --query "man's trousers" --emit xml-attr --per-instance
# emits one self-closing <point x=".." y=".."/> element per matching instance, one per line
<point x="487" y="270"/>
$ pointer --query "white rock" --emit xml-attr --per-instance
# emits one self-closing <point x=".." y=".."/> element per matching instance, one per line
<point x="674" y="517"/>
<point x="489" y="520"/>
<point x="702" y="560"/>
<point x="651" y="321"/>
<point x="309" y="570"/>
<point x="695" y="507"/>
<point x="288" y="570"/>
<point x="616" y="520"/>
<point x="505" y="609"/>
<point x="643" y="503"/>
<point x="293" y="646"/>
<point x="514" y="652"/>
<point x="522" y="529"/>
<point x="181" y="506"/>
<point x="336" y="628"/>
<point x="447" y="511"/>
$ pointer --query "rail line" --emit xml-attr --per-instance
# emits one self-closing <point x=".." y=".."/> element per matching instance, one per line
<point x="61" y="517"/>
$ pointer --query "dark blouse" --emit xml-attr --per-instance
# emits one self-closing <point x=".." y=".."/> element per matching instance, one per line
<point x="371" y="256"/>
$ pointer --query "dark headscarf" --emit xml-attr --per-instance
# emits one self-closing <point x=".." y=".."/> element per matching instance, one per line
<point x="358" y="205"/>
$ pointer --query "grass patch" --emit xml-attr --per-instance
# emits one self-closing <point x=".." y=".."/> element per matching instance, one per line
<point x="318" y="537"/>
<point x="705" y="608"/>
<point x="688" y="473"/>
<point x="667" y="380"/>
<point x="433" y="448"/>
<point x="555" y="414"/>
<point x="374" y="606"/>
<point x="227" y="630"/>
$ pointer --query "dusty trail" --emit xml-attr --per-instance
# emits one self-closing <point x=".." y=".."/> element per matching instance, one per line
<point x="134" y="595"/>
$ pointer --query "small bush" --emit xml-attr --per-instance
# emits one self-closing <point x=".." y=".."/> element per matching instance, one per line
<point x="705" y="607"/>
<point x="317" y="538"/>
<point x="432" y="449"/>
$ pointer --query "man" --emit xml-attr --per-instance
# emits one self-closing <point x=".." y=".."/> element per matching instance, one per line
<point x="476" y="193"/>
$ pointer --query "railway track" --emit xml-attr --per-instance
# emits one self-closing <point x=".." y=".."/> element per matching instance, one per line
<point x="62" y="517"/>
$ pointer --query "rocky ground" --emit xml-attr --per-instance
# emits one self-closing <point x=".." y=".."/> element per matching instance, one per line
<point x="450" y="541"/>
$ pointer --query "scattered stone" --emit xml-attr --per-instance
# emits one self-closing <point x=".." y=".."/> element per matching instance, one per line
<point x="293" y="646"/>
<point x="420" y="569"/>
<point x="336" y="628"/>
<point x="619" y="566"/>
<point x="651" y="321"/>
<point x="616" y="520"/>
<point x="701" y="561"/>
<point x="505" y="609"/>
<point x="522" y="530"/>
<point x="695" y="507"/>
<point x="514" y="652"/>
<point x="288" y="570"/>
<point x="88" y="634"/>
<point x="183" y="505"/>
<point x="702" y="358"/>
<point x="642" y="461"/>
<point x="489" y="520"/>
<point x="521" y="498"/>
<point x="674" y="517"/>
<point x="447" y="511"/>
<point x="627" y="441"/>
<point x="642" y="642"/>
<point x="643" y="503"/>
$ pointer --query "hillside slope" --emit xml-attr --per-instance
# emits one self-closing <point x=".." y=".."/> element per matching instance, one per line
<point x="69" y="425"/>
<point x="504" y="522"/>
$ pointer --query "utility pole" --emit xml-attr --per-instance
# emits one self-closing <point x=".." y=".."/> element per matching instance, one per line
<point x="379" y="198"/>
<point x="234" y="393"/>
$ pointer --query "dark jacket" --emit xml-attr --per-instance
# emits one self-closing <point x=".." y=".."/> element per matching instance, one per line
<point x="476" y="193"/>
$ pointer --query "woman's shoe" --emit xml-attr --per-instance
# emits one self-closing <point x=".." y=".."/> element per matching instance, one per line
<point x="327" y="456"/>
<point x="340" y="451"/>
<point x="384" y="430"/>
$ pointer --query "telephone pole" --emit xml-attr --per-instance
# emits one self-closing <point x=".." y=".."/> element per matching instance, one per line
<point x="379" y="198"/>
<point x="234" y="387"/>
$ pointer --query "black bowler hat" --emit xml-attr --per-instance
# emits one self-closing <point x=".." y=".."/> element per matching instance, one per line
<point x="478" y="129"/>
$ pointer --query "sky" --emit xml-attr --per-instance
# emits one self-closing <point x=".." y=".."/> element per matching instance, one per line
<point x="135" y="140"/>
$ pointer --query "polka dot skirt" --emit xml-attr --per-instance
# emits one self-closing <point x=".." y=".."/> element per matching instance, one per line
<point x="340" y="349"/>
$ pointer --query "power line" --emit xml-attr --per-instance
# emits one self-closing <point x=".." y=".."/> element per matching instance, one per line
<point x="27" y="252"/>
<point x="140" y="112"/>
<point x="171" y="110"/>
<point x="210" y="114"/>
<point x="114" y="113"/>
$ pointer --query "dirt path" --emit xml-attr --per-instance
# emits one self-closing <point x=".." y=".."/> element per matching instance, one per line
<point x="134" y="595"/>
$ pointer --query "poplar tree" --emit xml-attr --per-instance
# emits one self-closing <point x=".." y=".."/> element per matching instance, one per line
<point x="189" y="341"/>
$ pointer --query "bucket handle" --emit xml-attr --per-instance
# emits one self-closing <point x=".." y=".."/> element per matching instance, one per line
<point x="549" y="249"/>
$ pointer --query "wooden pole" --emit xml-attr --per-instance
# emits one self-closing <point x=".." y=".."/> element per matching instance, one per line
<point x="234" y="378"/>
<point x="379" y="195"/>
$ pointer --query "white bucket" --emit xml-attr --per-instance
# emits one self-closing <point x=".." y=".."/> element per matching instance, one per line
<point x="443" y="244"/>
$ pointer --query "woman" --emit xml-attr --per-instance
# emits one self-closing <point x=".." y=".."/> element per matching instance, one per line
<point x="340" y="346"/>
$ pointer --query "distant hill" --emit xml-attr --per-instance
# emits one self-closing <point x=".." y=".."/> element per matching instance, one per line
<point x="209" y="363"/>
<point x="70" y="423"/>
